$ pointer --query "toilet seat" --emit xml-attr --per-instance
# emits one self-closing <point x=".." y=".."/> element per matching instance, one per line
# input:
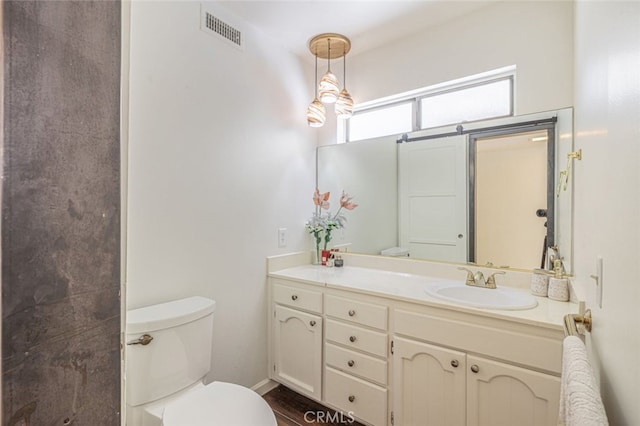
<point x="219" y="404"/>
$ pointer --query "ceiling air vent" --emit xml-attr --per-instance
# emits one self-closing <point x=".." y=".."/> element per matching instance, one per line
<point x="219" y="28"/>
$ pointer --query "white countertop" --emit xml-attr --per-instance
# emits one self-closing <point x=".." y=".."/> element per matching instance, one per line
<point x="410" y="287"/>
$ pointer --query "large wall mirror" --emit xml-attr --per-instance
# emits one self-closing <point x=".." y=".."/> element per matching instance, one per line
<point x="484" y="193"/>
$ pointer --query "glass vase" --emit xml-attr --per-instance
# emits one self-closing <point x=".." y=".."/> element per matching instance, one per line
<point x="317" y="258"/>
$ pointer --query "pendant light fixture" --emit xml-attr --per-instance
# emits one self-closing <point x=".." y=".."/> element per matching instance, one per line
<point x="331" y="46"/>
<point x="316" y="112"/>
<point x="329" y="87"/>
<point x="344" y="103"/>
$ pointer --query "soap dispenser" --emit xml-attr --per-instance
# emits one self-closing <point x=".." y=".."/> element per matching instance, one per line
<point x="558" y="284"/>
<point x="540" y="282"/>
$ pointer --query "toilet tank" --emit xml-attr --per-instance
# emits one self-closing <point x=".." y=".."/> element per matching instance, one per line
<point x="179" y="354"/>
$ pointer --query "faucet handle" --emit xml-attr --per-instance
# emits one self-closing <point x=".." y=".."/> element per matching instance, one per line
<point x="470" y="278"/>
<point x="491" y="281"/>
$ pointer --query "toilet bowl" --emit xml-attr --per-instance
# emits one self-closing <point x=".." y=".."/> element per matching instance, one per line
<point x="219" y="403"/>
<point x="168" y="355"/>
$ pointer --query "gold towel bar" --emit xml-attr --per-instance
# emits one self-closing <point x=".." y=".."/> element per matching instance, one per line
<point x="571" y="323"/>
<point x="563" y="179"/>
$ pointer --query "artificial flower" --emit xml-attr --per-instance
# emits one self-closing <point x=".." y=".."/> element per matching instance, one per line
<point x="345" y="201"/>
<point x="320" y="224"/>
<point x="321" y="200"/>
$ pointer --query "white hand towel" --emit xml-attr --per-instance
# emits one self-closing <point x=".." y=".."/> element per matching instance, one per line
<point x="580" y="402"/>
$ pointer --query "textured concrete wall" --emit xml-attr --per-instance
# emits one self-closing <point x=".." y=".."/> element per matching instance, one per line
<point x="61" y="213"/>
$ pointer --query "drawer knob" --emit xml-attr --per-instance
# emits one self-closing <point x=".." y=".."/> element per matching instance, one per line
<point x="351" y="363"/>
<point x="352" y="339"/>
<point x="475" y="368"/>
<point x="294" y="297"/>
<point x="352" y="398"/>
<point x="312" y="323"/>
<point x="454" y="363"/>
<point x="352" y="313"/>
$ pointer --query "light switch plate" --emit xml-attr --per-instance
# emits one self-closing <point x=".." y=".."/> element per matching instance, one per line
<point x="282" y="237"/>
<point x="600" y="280"/>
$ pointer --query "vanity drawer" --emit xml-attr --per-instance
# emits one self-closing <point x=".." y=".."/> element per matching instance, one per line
<point x="308" y="300"/>
<point x="350" y="394"/>
<point x="352" y="362"/>
<point x="359" y="312"/>
<point x="357" y="337"/>
<point x="520" y="347"/>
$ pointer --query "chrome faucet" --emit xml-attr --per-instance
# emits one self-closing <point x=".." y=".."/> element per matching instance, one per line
<point x="478" y="280"/>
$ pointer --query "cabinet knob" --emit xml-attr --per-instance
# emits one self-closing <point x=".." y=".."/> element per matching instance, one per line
<point x="352" y="313"/>
<point x="312" y="323"/>
<point x="351" y="363"/>
<point x="454" y="363"/>
<point x="352" y="398"/>
<point x="352" y="339"/>
<point x="475" y="368"/>
<point x="294" y="297"/>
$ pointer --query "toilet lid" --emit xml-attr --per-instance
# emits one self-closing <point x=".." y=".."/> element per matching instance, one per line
<point x="219" y="404"/>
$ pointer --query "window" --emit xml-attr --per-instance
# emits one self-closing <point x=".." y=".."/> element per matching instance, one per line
<point x="384" y="121"/>
<point x="487" y="100"/>
<point x="479" y="97"/>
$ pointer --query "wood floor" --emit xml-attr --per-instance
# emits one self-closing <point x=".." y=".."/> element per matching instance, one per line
<point x="292" y="409"/>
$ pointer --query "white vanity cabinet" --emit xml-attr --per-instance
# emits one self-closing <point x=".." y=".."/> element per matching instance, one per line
<point x="443" y="386"/>
<point x="399" y="361"/>
<point x="297" y="338"/>
<point x="356" y="358"/>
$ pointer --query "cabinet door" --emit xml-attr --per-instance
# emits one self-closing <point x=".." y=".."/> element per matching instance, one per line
<point x="429" y="384"/>
<point x="298" y="350"/>
<point x="504" y="395"/>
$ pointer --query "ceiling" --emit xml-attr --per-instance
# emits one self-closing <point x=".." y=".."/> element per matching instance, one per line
<point x="369" y="24"/>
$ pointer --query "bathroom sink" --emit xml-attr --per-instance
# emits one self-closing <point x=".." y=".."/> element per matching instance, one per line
<point x="478" y="297"/>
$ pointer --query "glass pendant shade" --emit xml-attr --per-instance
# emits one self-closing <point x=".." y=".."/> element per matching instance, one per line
<point x="329" y="88"/>
<point x="344" y="105"/>
<point x="316" y="114"/>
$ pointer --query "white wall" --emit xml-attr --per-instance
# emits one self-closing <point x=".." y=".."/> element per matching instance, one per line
<point x="220" y="156"/>
<point x="535" y="36"/>
<point x="607" y="193"/>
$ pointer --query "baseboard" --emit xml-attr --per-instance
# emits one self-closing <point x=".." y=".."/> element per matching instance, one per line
<point x="264" y="386"/>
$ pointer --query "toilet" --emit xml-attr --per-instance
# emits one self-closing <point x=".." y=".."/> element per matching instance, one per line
<point x="395" y="252"/>
<point x="168" y="355"/>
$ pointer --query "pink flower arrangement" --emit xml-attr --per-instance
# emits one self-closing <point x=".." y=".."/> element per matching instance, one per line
<point x="320" y="226"/>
